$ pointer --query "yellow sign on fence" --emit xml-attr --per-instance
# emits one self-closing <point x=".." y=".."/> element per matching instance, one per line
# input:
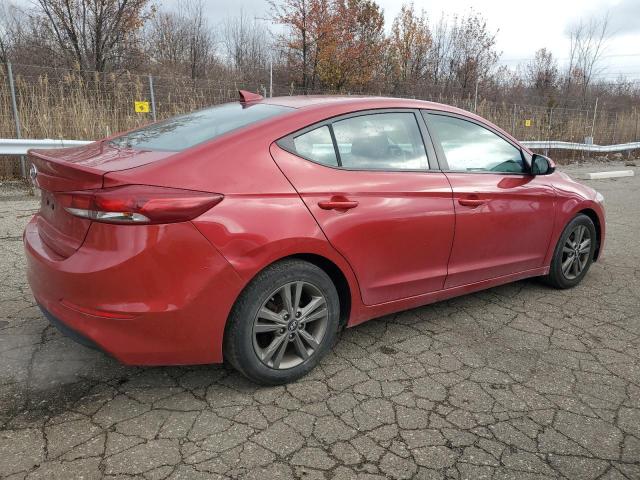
<point x="141" y="107"/>
<point x="527" y="123"/>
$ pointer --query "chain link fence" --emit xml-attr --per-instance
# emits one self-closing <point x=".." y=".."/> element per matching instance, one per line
<point x="59" y="103"/>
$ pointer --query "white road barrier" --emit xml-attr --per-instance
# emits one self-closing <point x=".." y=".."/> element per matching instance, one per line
<point x="12" y="146"/>
<point x="584" y="147"/>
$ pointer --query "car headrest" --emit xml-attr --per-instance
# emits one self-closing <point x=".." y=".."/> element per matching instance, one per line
<point x="376" y="146"/>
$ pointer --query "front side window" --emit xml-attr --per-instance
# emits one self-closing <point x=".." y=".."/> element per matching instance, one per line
<point x="388" y="141"/>
<point x="468" y="147"/>
<point x="185" y="131"/>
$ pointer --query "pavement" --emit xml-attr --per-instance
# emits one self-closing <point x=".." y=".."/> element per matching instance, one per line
<point x="517" y="382"/>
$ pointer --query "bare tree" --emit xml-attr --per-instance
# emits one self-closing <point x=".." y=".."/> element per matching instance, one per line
<point x="472" y="56"/>
<point x="588" y="39"/>
<point x="247" y="44"/>
<point x="541" y="74"/>
<point x="12" y="21"/>
<point x="439" y="51"/>
<point x="167" y="42"/>
<point x="462" y="52"/>
<point x="201" y="40"/>
<point x="94" y="34"/>
<point x="183" y="41"/>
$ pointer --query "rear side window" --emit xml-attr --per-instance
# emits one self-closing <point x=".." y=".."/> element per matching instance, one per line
<point x="185" y="131"/>
<point x="371" y="141"/>
<point x="317" y="145"/>
<point x="388" y="141"/>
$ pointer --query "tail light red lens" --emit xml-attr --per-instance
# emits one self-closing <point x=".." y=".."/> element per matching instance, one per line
<point x="138" y="204"/>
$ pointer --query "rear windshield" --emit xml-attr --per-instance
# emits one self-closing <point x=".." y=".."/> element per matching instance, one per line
<point x="185" y="131"/>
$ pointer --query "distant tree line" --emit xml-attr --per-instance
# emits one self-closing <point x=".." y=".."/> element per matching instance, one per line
<point x="312" y="45"/>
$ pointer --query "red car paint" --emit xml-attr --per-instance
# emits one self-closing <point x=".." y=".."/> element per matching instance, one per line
<point x="510" y="231"/>
<point x="161" y="294"/>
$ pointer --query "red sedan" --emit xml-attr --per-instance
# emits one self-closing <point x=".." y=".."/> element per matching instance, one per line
<point x="254" y="231"/>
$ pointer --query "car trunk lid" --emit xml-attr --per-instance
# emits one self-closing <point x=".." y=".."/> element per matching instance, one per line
<point x="72" y="169"/>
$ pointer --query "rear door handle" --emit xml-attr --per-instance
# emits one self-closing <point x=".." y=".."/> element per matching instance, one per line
<point x="471" y="202"/>
<point x="337" y="204"/>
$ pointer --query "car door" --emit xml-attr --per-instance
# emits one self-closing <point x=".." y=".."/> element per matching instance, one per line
<point x="504" y="215"/>
<point x="369" y="183"/>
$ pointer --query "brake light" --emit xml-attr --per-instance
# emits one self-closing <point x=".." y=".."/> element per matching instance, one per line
<point x="138" y="204"/>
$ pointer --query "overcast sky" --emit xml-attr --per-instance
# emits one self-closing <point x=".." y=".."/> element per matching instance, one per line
<point x="523" y="25"/>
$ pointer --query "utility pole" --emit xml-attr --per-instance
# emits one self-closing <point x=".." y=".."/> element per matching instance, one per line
<point x="270" y="78"/>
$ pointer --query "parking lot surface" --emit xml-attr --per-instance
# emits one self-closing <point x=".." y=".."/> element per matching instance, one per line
<point x="520" y="381"/>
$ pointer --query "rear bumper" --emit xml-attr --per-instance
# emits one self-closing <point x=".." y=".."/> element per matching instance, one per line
<point x="68" y="332"/>
<point x="146" y="295"/>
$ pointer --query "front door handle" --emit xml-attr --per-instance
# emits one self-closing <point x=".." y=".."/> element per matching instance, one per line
<point x="471" y="202"/>
<point x="337" y="204"/>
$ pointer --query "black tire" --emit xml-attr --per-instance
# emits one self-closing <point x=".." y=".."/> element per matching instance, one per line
<point x="557" y="277"/>
<point x="240" y="345"/>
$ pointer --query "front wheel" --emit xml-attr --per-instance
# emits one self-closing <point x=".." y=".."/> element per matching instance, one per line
<point x="573" y="254"/>
<point x="283" y="323"/>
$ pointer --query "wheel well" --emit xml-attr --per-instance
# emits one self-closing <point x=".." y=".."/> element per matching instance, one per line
<point x="338" y="279"/>
<point x="596" y="221"/>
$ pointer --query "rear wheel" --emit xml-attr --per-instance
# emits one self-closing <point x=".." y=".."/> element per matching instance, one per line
<point x="573" y="254"/>
<point x="283" y="323"/>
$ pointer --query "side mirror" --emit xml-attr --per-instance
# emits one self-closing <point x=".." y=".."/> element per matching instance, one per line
<point x="541" y="165"/>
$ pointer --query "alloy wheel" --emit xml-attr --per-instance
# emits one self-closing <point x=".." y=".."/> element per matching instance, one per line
<point x="575" y="252"/>
<point x="290" y="325"/>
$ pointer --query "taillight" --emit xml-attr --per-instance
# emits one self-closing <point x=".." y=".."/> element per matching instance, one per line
<point x="134" y="204"/>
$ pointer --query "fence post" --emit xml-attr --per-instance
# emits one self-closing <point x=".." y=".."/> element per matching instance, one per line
<point x="593" y="123"/>
<point x="16" y="118"/>
<point x="153" y="98"/>
<point x="546" y="150"/>
<point x="475" y="97"/>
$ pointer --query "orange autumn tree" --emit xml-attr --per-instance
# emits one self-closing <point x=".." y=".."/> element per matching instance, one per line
<point x="356" y="51"/>
<point x="308" y="29"/>
<point x="336" y="44"/>
<point x="409" y="47"/>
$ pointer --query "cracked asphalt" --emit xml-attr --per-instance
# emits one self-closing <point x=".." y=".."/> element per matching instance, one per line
<point x="520" y="381"/>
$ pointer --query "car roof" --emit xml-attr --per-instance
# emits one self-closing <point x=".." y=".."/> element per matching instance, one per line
<point x="358" y="102"/>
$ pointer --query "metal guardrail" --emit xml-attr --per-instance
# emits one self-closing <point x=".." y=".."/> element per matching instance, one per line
<point x="584" y="147"/>
<point x="11" y="146"/>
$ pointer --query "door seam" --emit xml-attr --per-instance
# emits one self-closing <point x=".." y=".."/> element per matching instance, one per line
<point x="455" y="228"/>
<point x="355" y="275"/>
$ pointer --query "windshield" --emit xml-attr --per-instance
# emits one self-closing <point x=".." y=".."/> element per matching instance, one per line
<point x="185" y="131"/>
